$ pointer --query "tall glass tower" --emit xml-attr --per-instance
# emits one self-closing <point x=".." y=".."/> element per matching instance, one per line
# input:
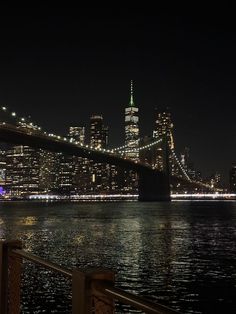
<point x="164" y="126"/>
<point x="131" y="128"/>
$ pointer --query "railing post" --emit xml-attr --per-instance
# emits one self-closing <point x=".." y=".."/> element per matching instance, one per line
<point x="10" y="272"/>
<point x="3" y="277"/>
<point x="86" y="298"/>
<point x="14" y="277"/>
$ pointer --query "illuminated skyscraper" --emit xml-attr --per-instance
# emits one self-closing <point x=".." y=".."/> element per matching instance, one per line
<point x="80" y="176"/>
<point x="22" y="171"/>
<point x="65" y="174"/>
<point x="72" y="167"/>
<point x="2" y="171"/>
<point x="164" y="127"/>
<point x="77" y="133"/>
<point x="131" y="142"/>
<point x="232" y="179"/>
<point x="49" y="171"/>
<point x="131" y="128"/>
<point x="99" y="171"/>
<point x="98" y="132"/>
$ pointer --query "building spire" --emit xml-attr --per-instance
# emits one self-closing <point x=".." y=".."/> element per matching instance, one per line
<point x="131" y="94"/>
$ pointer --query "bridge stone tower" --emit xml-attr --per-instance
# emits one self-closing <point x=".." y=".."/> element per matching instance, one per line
<point x="155" y="185"/>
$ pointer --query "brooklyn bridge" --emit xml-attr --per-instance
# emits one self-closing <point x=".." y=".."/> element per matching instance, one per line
<point x="153" y="184"/>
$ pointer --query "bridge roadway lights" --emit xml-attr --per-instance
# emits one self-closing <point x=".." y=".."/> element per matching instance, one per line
<point x="153" y="186"/>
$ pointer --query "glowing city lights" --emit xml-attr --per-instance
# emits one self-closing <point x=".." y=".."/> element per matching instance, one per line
<point x="130" y="151"/>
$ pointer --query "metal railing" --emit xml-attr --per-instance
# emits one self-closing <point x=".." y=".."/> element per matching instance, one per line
<point x="92" y="291"/>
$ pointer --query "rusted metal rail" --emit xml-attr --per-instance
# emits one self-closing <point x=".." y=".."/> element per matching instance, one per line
<point x="92" y="291"/>
<point x="42" y="262"/>
<point x="134" y="300"/>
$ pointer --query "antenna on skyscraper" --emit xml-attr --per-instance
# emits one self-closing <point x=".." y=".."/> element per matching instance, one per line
<point x="131" y="93"/>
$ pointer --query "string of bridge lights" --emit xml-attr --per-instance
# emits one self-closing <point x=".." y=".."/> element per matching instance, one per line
<point x="188" y="178"/>
<point x="137" y="149"/>
<point x="24" y="122"/>
<point x="121" y="148"/>
<point x="20" y="120"/>
<point x="181" y="167"/>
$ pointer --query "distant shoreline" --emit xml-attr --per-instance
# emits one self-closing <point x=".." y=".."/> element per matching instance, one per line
<point x="117" y="198"/>
<point x="82" y="198"/>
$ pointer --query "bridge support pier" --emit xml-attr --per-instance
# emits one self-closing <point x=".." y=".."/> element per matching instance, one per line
<point x="153" y="186"/>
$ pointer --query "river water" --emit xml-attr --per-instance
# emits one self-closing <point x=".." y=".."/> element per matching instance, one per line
<point x="180" y="254"/>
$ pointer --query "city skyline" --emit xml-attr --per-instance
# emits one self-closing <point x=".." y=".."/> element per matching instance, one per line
<point x="86" y="135"/>
<point x="86" y="169"/>
<point x="174" y="61"/>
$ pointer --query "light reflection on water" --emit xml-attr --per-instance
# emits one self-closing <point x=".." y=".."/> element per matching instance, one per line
<point x="180" y="254"/>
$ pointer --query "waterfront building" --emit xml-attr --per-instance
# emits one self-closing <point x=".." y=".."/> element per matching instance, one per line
<point x="80" y="170"/>
<point x="22" y="171"/>
<point x="65" y="174"/>
<point x="49" y="171"/>
<point x="115" y="183"/>
<point x="2" y="171"/>
<point x="81" y="182"/>
<point x="71" y="167"/>
<point x="22" y="176"/>
<point x="232" y="179"/>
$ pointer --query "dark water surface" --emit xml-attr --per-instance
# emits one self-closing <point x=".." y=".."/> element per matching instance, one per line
<point x="181" y="254"/>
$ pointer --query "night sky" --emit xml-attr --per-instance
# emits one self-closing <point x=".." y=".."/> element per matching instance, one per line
<point x="61" y="69"/>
